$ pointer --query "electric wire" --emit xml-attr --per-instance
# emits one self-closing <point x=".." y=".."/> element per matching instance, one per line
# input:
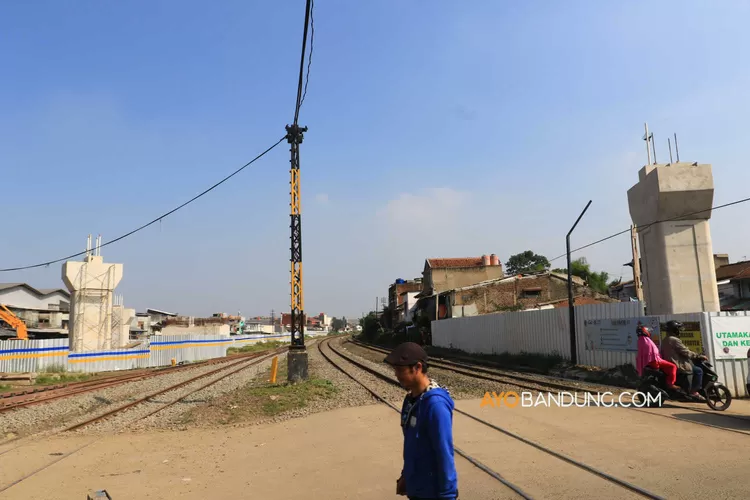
<point x="309" y="57"/>
<point x="301" y="94"/>
<point x="298" y="105"/>
<point x="646" y="226"/>
<point x="158" y="219"/>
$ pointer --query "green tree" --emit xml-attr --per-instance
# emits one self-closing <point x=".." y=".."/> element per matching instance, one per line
<point x="371" y="326"/>
<point x="338" y="325"/>
<point x="526" y="262"/>
<point x="581" y="268"/>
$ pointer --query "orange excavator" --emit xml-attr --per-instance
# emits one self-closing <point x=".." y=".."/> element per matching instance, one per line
<point x="14" y="322"/>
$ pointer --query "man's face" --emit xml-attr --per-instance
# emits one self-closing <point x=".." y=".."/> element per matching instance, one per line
<point x="407" y="375"/>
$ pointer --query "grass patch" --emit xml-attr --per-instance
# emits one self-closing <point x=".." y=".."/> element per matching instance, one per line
<point x="256" y="347"/>
<point x="261" y="399"/>
<point x="61" y="378"/>
<point x="5" y="388"/>
<point x="54" y="369"/>
<point x="280" y="398"/>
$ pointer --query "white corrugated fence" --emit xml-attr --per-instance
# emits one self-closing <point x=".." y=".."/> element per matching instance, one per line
<point x="548" y="332"/>
<point x="54" y="354"/>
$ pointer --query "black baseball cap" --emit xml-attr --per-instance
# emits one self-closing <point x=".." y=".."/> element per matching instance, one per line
<point x="406" y="354"/>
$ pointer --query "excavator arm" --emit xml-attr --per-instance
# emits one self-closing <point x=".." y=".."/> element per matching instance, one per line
<point x="14" y="322"/>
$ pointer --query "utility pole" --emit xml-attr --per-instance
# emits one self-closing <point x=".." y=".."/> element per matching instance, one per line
<point x="636" y="265"/>
<point x="297" y="356"/>
<point x="571" y="306"/>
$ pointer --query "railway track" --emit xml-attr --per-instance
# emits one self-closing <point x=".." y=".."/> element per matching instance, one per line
<point x="220" y="374"/>
<point x="515" y="488"/>
<point x="21" y="399"/>
<point x="522" y="381"/>
<point x="230" y="369"/>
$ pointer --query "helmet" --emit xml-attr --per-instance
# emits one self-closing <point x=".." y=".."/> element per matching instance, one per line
<point x="643" y="331"/>
<point x="674" y="327"/>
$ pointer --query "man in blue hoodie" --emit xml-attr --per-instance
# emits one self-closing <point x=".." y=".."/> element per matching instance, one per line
<point x="429" y="471"/>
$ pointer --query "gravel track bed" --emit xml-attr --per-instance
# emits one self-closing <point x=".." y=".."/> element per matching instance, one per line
<point x="540" y="379"/>
<point x="459" y="386"/>
<point x="348" y="394"/>
<point x="171" y="418"/>
<point x="388" y="391"/>
<point x="50" y="417"/>
<point x="132" y="418"/>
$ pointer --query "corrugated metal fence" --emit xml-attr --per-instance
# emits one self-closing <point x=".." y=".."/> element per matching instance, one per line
<point x="542" y="332"/>
<point x="548" y="332"/>
<point x="54" y="354"/>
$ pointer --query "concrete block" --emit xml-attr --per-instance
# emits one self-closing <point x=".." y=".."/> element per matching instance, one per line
<point x="297" y="365"/>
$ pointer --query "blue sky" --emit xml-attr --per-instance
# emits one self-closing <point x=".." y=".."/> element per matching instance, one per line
<point x="436" y="129"/>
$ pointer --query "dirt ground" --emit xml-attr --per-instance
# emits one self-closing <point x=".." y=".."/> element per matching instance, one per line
<point x="356" y="453"/>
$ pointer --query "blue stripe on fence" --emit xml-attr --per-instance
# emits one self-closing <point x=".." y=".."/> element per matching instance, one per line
<point x="35" y="349"/>
<point x="113" y="353"/>
<point x="177" y="342"/>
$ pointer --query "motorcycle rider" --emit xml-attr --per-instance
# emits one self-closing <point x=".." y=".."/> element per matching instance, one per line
<point x="648" y="356"/>
<point x="672" y="349"/>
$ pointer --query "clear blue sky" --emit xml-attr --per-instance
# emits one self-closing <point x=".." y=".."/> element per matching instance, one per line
<point x="436" y="129"/>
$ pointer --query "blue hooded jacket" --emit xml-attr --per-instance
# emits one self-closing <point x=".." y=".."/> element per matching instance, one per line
<point x="429" y="469"/>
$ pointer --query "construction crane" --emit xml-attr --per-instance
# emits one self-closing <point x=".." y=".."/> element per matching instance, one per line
<point x="14" y="322"/>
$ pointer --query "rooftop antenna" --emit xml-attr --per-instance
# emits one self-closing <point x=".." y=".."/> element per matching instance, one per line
<point x="677" y="151"/>
<point x="653" y="146"/>
<point x="647" y="137"/>
<point x="88" y="246"/>
<point x="670" y="150"/>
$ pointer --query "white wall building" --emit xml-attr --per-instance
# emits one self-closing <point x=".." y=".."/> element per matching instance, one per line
<point x="23" y="296"/>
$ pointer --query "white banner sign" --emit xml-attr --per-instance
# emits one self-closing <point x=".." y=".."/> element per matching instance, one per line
<point x="617" y="334"/>
<point x="731" y="336"/>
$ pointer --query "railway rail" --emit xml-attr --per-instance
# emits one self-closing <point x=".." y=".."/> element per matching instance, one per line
<point x="580" y="465"/>
<point x="24" y="398"/>
<point x="522" y="381"/>
<point x="234" y="367"/>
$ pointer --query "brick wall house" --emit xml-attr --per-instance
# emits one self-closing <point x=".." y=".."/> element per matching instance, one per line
<point x="516" y="293"/>
<point x="446" y="274"/>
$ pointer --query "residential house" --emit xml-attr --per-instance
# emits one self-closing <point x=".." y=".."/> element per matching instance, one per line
<point x="442" y="274"/>
<point x="544" y="290"/>
<point x="43" y="310"/>
<point x="733" y="281"/>
<point x="623" y="291"/>
<point x="396" y="293"/>
<point x="158" y="316"/>
<point x="407" y="309"/>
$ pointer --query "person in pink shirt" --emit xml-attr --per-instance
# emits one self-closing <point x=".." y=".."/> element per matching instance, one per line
<point x="648" y="355"/>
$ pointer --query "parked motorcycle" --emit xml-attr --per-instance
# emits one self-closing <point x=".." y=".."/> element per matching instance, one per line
<point x="653" y="383"/>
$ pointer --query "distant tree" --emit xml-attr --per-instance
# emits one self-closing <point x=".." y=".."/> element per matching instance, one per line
<point x="581" y="268"/>
<point x="526" y="262"/>
<point x="338" y="325"/>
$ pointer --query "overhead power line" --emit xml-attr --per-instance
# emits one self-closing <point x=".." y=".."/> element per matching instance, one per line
<point x="144" y="226"/>
<point x="298" y="105"/>
<point x="646" y="226"/>
<point x="309" y="58"/>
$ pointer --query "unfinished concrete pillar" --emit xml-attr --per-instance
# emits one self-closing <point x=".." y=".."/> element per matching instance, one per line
<point x="677" y="267"/>
<point x="91" y="284"/>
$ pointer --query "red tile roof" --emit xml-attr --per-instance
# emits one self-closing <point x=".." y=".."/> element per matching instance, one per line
<point x="455" y="262"/>
<point x="734" y="271"/>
